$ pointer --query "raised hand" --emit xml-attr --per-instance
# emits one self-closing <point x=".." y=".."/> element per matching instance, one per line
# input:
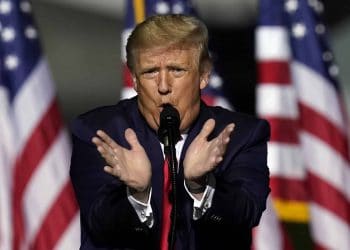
<point x="202" y="155"/>
<point x="131" y="166"/>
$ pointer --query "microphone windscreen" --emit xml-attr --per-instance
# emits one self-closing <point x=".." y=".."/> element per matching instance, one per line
<point x="170" y="114"/>
<point x="169" y="120"/>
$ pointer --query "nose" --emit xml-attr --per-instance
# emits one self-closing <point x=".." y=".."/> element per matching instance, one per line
<point x="164" y="86"/>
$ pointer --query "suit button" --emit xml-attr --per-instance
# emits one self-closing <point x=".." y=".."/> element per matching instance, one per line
<point x="216" y="218"/>
<point x="143" y="214"/>
<point x="139" y="229"/>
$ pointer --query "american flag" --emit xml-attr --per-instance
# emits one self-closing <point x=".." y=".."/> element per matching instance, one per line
<point x="298" y="93"/>
<point x="136" y="12"/>
<point x="37" y="204"/>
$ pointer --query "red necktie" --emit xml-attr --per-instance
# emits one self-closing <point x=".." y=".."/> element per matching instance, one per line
<point x="166" y="220"/>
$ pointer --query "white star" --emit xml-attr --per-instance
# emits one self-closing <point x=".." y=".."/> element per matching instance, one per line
<point x="319" y="7"/>
<point x="5" y="7"/>
<point x="11" y="62"/>
<point x="316" y="5"/>
<point x="312" y="2"/>
<point x="31" y="32"/>
<point x="215" y="81"/>
<point x="291" y="6"/>
<point x="8" y="34"/>
<point x="333" y="70"/>
<point x="327" y="56"/>
<point x="25" y="7"/>
<point x="320" y="29"/>
<point x="178" y="8"/>
<point x="299" y="30"/>
<point x="162" y="8"/>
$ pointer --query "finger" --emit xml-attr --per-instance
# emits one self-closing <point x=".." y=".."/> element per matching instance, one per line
<point x="222" y="140"/>
<point x="109" y="158"/>
<point x="208" y="127"/>
<point x="102" y="150"/>
<point x="97" y="141"/>
<point x="102" y="147"/>
<point x="106" y="152"/>
<point x="225" y="134"/>
<point x="219" y="159"/>
<point x="107" y="139"/>
<point x="229" y="128"/>
<point x="107" y="142"/>
<point x="131" y="138"/>
<point x="111" y="171"/>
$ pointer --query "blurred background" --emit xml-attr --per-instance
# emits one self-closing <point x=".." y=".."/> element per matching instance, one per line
<point x="82" y="41"/>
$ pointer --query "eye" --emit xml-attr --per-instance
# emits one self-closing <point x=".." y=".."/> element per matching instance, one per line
<point x="178" y="72"/>
<point x="150" y="73"/>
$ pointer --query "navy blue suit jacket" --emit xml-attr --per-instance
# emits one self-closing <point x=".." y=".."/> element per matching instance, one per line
<point x="108" y="221"/>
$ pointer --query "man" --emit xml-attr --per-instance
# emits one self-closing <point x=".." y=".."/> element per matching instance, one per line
<point x="222" y="179"/>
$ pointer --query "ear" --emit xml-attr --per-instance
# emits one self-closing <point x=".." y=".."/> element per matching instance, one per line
<point x="134" y="80"/>
<point x="205" y="75"/>
<point x="204" y="80"/>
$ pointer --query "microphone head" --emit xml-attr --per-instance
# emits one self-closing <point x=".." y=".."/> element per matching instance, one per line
<point x="169" y="123"/>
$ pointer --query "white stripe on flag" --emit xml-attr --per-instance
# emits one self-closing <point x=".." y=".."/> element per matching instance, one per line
<point x="46" y="183"/>
<point x="268" y="234"/>
<point x="32" y="101"/>
<point x="324" y="162"/>
<point x="5" y="209"/>
<point x="284" y="161"/>
<point x="329" y="229"/>
<point x="272" y="43"/>
<point x="316" y="92"/>
<point x="70" y="239"/>
<point x="277" y="100"/>
<point x="127" y="93"/>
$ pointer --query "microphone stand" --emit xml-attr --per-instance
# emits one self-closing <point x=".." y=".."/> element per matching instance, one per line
<point x="170" y="153"/>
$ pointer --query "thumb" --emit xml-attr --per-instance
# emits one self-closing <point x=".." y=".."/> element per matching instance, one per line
<point x="208" y="127"/>
<point x="131" y="138"/>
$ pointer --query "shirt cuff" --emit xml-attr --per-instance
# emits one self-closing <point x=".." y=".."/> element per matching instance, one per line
<point x="143" y="210"/>
<point x="201" y="206"/>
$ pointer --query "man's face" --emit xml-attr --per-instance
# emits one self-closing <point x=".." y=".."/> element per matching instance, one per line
<point x="169" y="75"/>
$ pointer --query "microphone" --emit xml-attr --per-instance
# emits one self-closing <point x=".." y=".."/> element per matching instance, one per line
<point x="169" y="128"/>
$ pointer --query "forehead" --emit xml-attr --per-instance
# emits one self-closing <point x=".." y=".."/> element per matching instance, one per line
<point x="157" y="55"/>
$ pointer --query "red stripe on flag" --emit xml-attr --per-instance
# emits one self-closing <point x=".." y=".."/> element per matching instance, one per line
<point x="208" y="99"/>
<point x="57" y="220"/>
<point x="319" y="126"/>
<point x="35" y="149"/>
<point x="327" y="196"/>
<point x="316" y="246"/>
<point x="283" y="129"/>
<point x="274" y="72"/>
<point x="288" y="189"/>
<point x="128" y="82"/>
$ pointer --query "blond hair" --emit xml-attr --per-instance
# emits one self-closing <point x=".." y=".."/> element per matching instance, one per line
<point x="169" y="30"/>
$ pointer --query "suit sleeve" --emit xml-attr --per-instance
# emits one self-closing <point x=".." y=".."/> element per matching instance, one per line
<point x="242" y="180"/>
<point x="107" y="217"/>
